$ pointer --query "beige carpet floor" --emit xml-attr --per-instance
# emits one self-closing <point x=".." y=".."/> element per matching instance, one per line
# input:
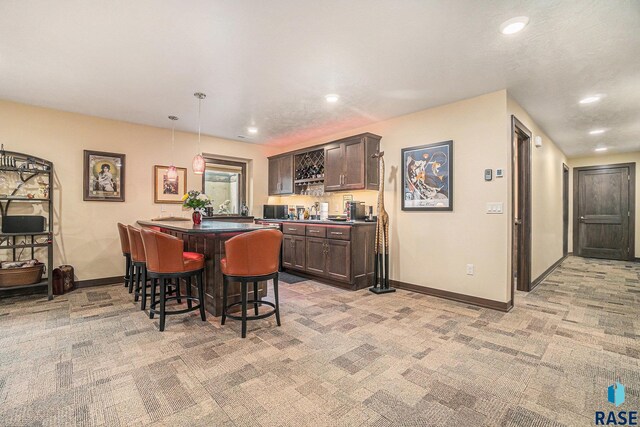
<point x="92" y="358"/>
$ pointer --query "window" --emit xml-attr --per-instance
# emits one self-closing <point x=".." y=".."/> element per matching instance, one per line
<point x="224" y="182"/>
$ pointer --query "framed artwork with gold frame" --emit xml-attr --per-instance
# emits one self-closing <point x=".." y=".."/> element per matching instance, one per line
<point x="103" y="176"/>
<point x="165" y="191"/>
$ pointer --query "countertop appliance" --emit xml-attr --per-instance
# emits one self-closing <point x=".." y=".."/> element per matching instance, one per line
<point x="275" y="211"/>
<point x="355" y="210"/>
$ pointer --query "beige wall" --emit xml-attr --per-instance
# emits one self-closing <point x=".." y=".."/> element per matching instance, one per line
<point x="546" y="194"/>
<point x="433" y="248"/>
<point x="606" y="159"/>
<point x="85" y="232"/>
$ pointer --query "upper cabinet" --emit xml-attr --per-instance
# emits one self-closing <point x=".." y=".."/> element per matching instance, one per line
<point x="281" y="175"/>
<point x="349" y="165"/>
<point x="341" y="165"/>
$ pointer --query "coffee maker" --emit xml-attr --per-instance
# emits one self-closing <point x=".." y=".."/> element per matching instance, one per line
<point x="355" y="210"/>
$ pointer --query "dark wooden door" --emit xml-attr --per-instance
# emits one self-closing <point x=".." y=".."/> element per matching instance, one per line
<point x="333" y="167"/>
<point x="604" y="212"/>
<point x="521" y="252"/>
<point x="288" y="251"/>
<point x="286" y="174"/>
<point x="339" y="259"/>
<point x="299" y="252"/>
<point x="316" y="256"/>
<point x="274" y="176"/>
<point x="354" y="164"/>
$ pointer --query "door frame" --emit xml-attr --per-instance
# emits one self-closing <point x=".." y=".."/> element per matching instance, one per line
<point x="565" y="209"/>
<point x="632" y="203"/>
<point x="517" y="127"/>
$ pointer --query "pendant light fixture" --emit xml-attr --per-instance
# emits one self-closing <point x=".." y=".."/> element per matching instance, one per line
<point x="198" y="161"/>
<point x="172" y="172"/>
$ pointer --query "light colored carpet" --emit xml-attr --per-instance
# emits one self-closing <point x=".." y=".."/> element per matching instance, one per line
<point x="341" y="358"/>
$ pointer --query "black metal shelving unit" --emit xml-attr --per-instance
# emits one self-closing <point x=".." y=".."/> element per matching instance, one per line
<point x="25" y="168"/>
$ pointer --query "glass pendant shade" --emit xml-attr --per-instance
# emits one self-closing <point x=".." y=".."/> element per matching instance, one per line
<point x="172" y="174"/>
<point x="198" y="165"/>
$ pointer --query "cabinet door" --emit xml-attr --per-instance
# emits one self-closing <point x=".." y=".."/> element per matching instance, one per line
<point x="339" y="260"/>
<point x="274" y="176"/>
<point x="288" y="251"/>
<point x="354" y="165"/>
<point x="299" y="252"/>
<point x="286" y="174"/>
<point x="316" y="260"/>
<point x="333" y="167"/>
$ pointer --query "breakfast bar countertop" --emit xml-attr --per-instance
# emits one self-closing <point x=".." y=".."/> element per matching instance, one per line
<point x="206" y="227"/>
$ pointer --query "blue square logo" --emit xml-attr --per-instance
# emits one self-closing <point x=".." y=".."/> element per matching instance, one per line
<point x="615" y="394"/>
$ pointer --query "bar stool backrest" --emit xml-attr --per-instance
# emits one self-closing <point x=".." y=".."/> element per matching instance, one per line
<point x="124" y="239"/>
<point x="137" y="247"/>
<point x="253" y="254"/>
<point x="164" y="253"/>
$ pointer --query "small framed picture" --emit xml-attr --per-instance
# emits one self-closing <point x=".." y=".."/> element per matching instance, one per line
<point x="165" y="190"/>
<point x="104" y="175"/>
<point x="427" y="177"/>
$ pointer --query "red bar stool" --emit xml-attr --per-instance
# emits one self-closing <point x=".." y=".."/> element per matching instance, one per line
<point x="126" y="252"/>
<point x="139" y="270"/>
<point x="251" y="257"/>
<point x="166" y="260"/>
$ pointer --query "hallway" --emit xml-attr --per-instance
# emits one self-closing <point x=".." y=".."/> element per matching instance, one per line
<point x="340" y="358"/>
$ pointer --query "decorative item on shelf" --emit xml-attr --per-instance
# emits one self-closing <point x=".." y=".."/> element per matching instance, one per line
<point x="224" y="207"/>
<point x="104" y="176"/>
<point x="172" y="172"/>
<point x="244" y="209"/>
<point x="63" y="280"/>
<point x="165" y="190"/>
<point x="381" y="260"/>
<point x="198" y="202"/>
<point x="427" y="177"/>
<point x="199" y="163"/>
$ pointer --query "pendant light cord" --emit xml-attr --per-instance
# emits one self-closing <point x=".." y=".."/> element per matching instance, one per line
<point x="199" y="121"/>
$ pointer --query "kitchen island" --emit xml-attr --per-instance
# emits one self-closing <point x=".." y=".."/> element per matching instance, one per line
<point x="208" y="238"/>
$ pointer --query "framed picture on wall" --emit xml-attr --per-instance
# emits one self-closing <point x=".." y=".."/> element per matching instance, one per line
<point x="427" y="177"/>
<point x="166" y="191"/>
<point x="103" y="176"/>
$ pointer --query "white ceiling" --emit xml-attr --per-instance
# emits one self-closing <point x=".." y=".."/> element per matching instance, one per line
<point x="270" y="63"/>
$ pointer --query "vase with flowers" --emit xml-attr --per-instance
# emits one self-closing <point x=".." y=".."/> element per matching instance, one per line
<point x="197" y="201"/>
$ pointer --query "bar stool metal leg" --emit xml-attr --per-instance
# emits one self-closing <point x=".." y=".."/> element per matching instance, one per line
<point x="256" y="298"/>
<point x="143" y="304"/>
<point x="225" y="284"/>
<point x="163" y="296"/>
<point x="188" y="289"/>
<point x="200" y="283"/>
<point x="152" y="300"/>
<point x="275" y="294"/>
<point x="127" y="270"/>
<point x="139" y="275"/>
<point x="243" y="291"/>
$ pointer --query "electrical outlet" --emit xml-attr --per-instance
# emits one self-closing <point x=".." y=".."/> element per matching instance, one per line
<point x="470" y="269"/>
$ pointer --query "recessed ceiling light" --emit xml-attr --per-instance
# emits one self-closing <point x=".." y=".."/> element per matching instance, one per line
<point x="590" y="99"/>
<point x="514" y="25"/>
<point x="596" y="131"/>
<point x="601" y="149"/>
<point x="332" y="97"/>
<point x="252" y="130"/>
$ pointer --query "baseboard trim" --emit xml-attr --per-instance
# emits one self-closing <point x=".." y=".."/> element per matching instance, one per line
<point x="547" y="272"/>
<point x="99" y="282"/>
<point x="453" y="296"/>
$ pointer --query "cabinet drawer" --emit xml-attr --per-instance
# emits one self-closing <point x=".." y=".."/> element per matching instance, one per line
<point x="296" y="229"/>
<point x="340" y="233"/>
<point x="316" y="231"/>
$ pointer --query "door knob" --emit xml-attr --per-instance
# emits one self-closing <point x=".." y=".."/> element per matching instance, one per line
<point x="581" y="218"/>
<point x="518" y="221"/>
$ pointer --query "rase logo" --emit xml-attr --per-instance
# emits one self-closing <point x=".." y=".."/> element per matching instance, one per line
<point x="615" y="396"/>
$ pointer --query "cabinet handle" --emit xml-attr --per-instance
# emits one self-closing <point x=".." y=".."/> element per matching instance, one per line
<point x="292" y="229"/>
<point x="314" y="231"/>
<point x="339" y="233"/>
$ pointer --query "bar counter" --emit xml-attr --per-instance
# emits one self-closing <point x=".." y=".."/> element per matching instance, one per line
<point x="208" y="238"/>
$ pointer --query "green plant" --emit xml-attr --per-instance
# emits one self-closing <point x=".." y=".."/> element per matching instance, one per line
<point x="195" y="200"/>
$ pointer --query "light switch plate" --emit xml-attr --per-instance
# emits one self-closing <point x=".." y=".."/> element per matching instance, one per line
<point x="499" y="173"/>
<point x="494" y="207"/>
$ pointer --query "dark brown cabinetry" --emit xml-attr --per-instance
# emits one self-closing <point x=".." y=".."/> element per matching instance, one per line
<point x="281" y="175"/>
<point x="348" y="163"/>
<point x="341" y="255"/>
<point x="342" y="165"/>
<point x="293" y="252"/>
